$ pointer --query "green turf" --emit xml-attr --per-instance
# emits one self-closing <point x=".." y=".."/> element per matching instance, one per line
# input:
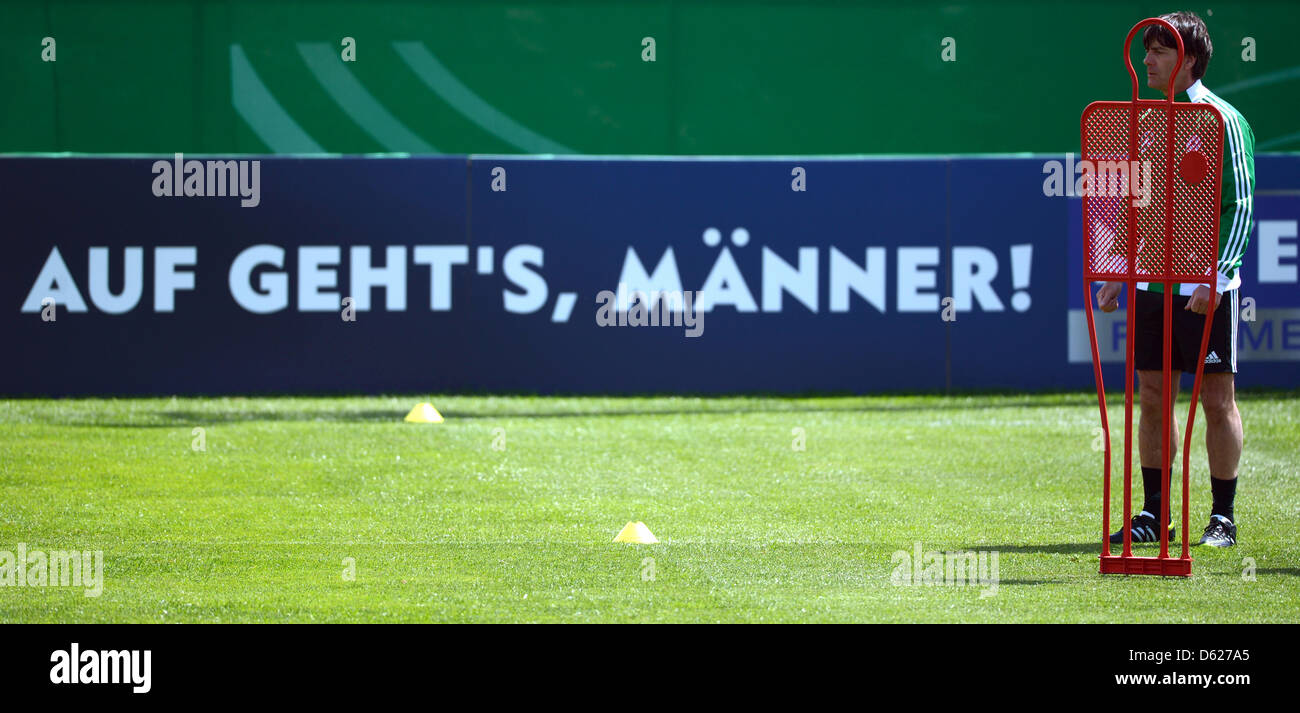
<point x="443" y="527"/>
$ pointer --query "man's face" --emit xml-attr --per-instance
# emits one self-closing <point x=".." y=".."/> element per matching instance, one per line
<point x="1160" y="61"/>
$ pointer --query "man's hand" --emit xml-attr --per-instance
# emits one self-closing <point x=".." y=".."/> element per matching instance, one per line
<point x="1201" y="299"/>
<point x="1108" y="296"/>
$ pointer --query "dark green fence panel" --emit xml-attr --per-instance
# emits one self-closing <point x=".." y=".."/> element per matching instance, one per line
<point x="742" y="77"/>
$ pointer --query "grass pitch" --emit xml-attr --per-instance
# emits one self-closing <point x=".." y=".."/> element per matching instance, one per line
<point x="506" y="511"/>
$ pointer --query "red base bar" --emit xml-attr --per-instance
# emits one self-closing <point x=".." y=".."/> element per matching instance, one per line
<point x="1168" y="567"/>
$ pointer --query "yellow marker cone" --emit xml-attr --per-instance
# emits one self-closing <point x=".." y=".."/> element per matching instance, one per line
<point x="424" y="413"/>
<point x="636" y="533"/>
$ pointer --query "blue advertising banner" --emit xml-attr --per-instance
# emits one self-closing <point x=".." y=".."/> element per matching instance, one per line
<point x="203" y="294"/>
<point x="181" y="275"/>
<point x="1268" y="334"/>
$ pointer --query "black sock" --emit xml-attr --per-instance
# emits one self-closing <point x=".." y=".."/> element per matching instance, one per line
<point x="1224" y="492"/>
<point x="1151" y="487"/>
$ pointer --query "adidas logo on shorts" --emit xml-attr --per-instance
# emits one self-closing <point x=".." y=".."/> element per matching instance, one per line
<point x="1212" y="358"/>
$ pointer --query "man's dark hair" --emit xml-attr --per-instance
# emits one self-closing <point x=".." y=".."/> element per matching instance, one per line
<point x="1196" y="39"/>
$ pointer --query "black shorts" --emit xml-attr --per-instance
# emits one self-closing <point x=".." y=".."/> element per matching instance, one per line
<point x="1148" y="342"/>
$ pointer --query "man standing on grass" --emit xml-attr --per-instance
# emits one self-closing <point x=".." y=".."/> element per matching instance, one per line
<point x="1223" y="435"/>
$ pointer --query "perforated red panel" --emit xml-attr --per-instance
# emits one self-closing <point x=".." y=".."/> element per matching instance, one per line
<point x="1198" y="146"/>
<point x="1114" y="180"/>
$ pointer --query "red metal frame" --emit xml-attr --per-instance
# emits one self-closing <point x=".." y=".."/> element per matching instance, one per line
<point x="1126" y="562"/>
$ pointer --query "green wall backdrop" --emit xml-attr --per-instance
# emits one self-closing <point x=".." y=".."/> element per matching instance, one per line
<point x="743" y="77"/>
